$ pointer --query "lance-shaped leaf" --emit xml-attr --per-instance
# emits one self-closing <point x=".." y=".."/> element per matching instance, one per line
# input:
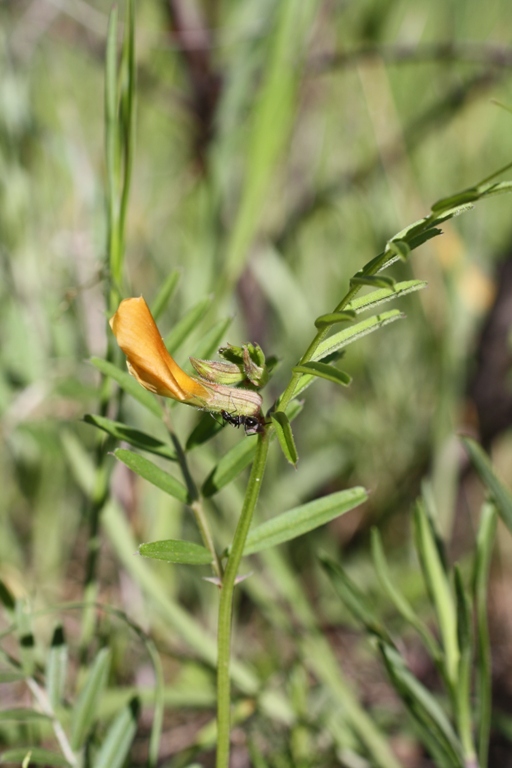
<point x="153" y="474"/>
<point x="284" y="436"/>
<point x="119" y="737"/>
<point x="128" y="384"/>
<point x="132" y="436"/>
<point x="373" y="299"/>
<point x="500" y="493"/>
<point x="349" y="335"/>
<point x="56" y="668"/>
<point x="186" y="325"/>
<point x="324" y="371"/>
<point x="299" y="520"/>
<point x="175" y="551"/>
<point x="86" y="707"/>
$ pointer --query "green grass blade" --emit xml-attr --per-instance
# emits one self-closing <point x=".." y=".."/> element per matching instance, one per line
<point x="153" y="474"/>
<point x="484" y="545"/>
<point x="112" y="140"/>
<point x="128" y="384"/>
<point x="463" y="689"/>
<point x="119" y="737"/>
<point x="86" y="707"/>
<point x="438" y="586"/>
<point x="175" y="551"/>
<point x="132" y="436"/>
<point x="398" y="600"/>
<point x="186" y="325"/>
<point x="56" y="668"/>
<point x="299" y="520"/>
<point x="165" y="293"/>
<point x="499" y="492"/>
<point x="127" y="78"/>
<point x="38" y="756"/>
<point x="354" y="599"/>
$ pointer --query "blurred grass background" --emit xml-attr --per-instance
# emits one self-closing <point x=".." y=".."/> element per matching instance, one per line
<point x="277" y="150"/>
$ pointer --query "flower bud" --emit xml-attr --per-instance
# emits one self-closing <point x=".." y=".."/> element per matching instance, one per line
<point x="218" y="371"/>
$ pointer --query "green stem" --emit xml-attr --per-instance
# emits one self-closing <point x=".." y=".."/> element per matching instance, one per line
<point x="226" y="601"/>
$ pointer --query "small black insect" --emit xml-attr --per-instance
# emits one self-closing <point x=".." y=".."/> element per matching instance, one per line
<point x="252" y="424"/>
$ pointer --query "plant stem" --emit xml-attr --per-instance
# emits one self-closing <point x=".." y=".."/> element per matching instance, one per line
<point x="226" y="601"/>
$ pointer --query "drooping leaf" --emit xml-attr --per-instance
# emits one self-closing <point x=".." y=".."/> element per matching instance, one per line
<point x="380" y="281"/>
<point x="400" y="248"/>
<point x="153" y="474"/>
<point x="128" y="384"/>
<point x="333" y="318"/>
<point x="284" y="434"/>
<point x="85" y="710"/>
<point x="324" y="371"/>
<point x="175" y="551"/>
<point x="119" y="737"/>
<point x="299" y="520"/>
<point x="132" y="436"/>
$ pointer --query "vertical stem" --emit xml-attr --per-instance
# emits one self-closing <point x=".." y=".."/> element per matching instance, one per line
<point x="226" y="602"/>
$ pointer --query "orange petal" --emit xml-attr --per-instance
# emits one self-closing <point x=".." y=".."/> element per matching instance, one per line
<point x="147" y="357"/>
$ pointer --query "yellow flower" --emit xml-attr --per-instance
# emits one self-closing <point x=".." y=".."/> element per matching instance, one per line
<point x="151" y="364"/>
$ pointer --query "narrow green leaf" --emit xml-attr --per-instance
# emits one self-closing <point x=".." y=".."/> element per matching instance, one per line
<point x="132" y="436"/>
<point x="484" y="545"/>
<point x="439" y="589"/>
<point x="38" y="756"/>
<point x="465" y="671"/>
<point x="119" y="737"/>
<point x="206" y="428"/>
<point x="349" y="335"/>
<point x="458" y="203"/>
<point x="398" y="600"/>
<point x="56" y="668"/>
<point x="22" y="715"/>
<point x="354" y="599"/>
<point x="128" y="384"/>
<point x="372" y="280"/>
<point x="324" y="371"/>
<point x="165" y="293"/>
<point x="186" y="325"/>
<point x="346" y="316"/>
<point x="499" y="492"/>
<point x="299" y="520"/>
<point x="86" y="707"/>
<point x="373" y="299"/>
<point x="212" y="339"/>
<point x="422" y="706"/>
<point x="127" y="98"/>
<point x="400" y="248"/>
<point x="153" y="474"/>
<point x="112" y="133"/>
<point x="232" y="463"/>
<point x="175" y="551"/>
<point x="284" y="434"/>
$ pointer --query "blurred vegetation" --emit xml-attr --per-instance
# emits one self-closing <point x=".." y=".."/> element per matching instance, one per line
<point x="276" y="152"/>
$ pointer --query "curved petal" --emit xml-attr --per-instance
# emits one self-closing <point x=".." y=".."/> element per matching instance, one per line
<point x="147" y="357"/>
